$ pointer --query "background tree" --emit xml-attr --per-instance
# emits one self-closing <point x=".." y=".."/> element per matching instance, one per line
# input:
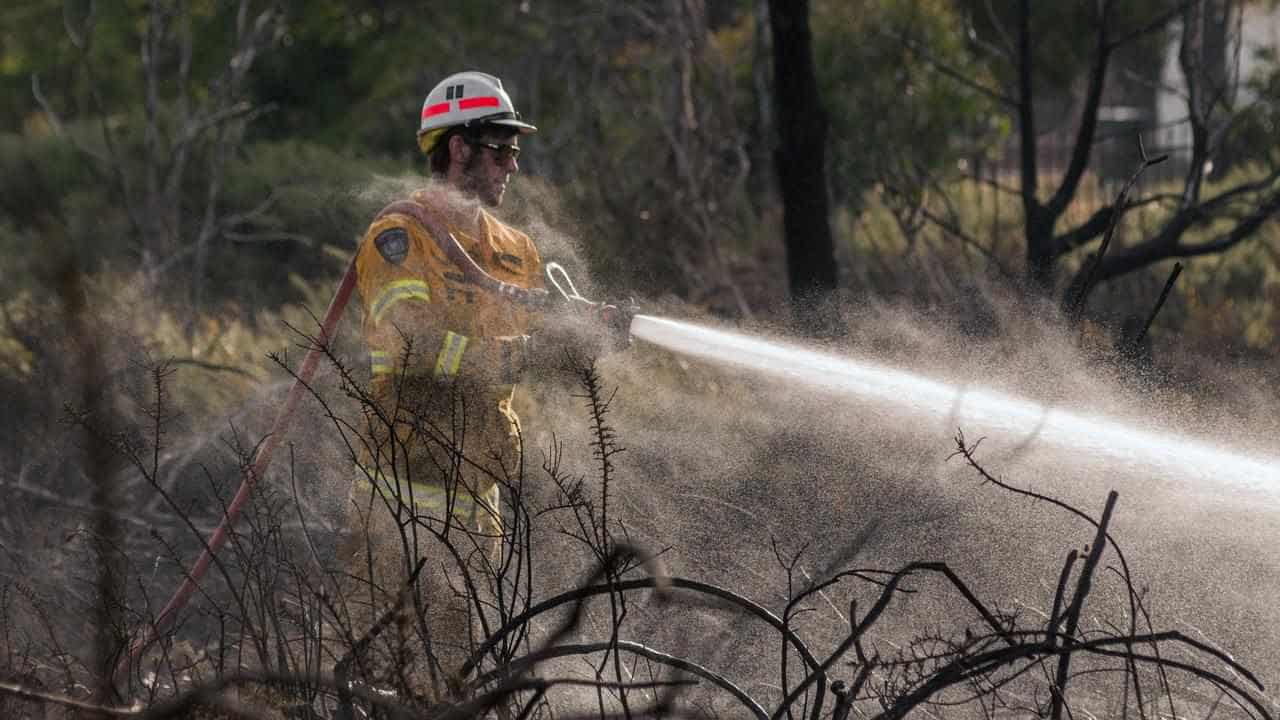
<point x="1229" y="214"/>
<point x="193" y="112"/>
<point x="800" y="159"/>
<point x="1057" y="61"/>
<point x="653" y="164"/>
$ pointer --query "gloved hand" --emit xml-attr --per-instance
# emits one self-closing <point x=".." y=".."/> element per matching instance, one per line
<point x="534" y="298"/>
<point x="605" y="327"/>
<point x="579" y="332"/>
<point x="609" y="325"/>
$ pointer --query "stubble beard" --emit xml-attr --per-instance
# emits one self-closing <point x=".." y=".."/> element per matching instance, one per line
<point x="475" y="183"/>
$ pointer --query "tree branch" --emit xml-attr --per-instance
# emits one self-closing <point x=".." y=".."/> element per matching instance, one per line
<point x="40" y="696"/>
<point x="1191" y="62"/>
<point x="1086" y="231"/>
<point x="1027" y="117"/>
<point x="1083" y="147"/>
<point x="1158" y="23"/>
<point x="957" y="232"/>
<point x="950" y="72"/>
<point x="1166" y="246"/>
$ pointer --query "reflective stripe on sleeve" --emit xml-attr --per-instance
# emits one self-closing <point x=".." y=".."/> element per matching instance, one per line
<point x="394" y="292"/>
<point x="379" y="362"/>
<point x="432" y="499"/>
<point x="450" y="358"/>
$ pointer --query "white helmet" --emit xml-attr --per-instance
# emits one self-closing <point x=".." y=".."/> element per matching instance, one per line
<point x="467" y="98"/>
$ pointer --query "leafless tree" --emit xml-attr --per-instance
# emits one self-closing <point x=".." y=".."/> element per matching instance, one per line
<point x="189" y="129"/>
<point x="800" y="160"/>
<point x="1232" y="214"/>
<point x="1236" y="212"/>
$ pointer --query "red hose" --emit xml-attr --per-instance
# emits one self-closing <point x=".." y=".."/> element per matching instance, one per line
<point x="279" y="428"/>
<point x="474" y="274"/>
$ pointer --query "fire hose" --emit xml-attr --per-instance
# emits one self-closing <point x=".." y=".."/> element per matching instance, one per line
<point x="255" y="470"/>
<point x="284" y="418"/>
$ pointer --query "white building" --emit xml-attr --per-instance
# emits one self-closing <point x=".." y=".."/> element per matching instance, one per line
<point x="1257" y="28"/>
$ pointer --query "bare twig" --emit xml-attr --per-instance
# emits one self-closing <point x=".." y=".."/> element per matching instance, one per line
<point x="1164" y="294"/>
<point x="1075" y="302"/>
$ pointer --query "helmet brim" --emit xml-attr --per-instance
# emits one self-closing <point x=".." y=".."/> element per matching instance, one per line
<point x="523" y="127"/>
<point x="427" y="140"/>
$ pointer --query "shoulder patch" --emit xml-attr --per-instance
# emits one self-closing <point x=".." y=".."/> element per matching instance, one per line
<point x="393" y="245"/>
<point x="512" y="259"/>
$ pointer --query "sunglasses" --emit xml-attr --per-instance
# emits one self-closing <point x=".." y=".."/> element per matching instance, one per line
<point x="501" y="153"/>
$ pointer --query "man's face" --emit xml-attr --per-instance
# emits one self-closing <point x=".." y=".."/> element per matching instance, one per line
<point x="490" y="166"/>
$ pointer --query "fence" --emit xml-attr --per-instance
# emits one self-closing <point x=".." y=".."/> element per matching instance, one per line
<point x="1115" y="156"/>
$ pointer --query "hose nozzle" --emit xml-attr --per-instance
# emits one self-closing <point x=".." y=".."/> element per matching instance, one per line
<point x="615" y="317"/>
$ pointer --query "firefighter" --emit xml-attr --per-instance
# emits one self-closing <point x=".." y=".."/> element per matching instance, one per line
<point x="450" y="297"/>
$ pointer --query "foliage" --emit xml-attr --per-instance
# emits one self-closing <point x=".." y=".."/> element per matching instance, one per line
<point x="654" y="149"/>
<point x="1062" y="49"/>
<point x="881" y="95"/>
<point x="1259" y="123"/>
<point x="1222" y="304"/>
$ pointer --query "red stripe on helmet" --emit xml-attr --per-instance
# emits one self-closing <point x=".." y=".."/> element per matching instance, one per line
<point x="436" y="109"/>
<point x="477" y="102"/>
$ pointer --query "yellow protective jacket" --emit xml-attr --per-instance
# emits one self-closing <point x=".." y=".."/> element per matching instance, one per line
<point x="442" y="348"/>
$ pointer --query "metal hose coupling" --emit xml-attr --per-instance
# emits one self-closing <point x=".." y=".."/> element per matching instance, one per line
<point x="618" y="318"/>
